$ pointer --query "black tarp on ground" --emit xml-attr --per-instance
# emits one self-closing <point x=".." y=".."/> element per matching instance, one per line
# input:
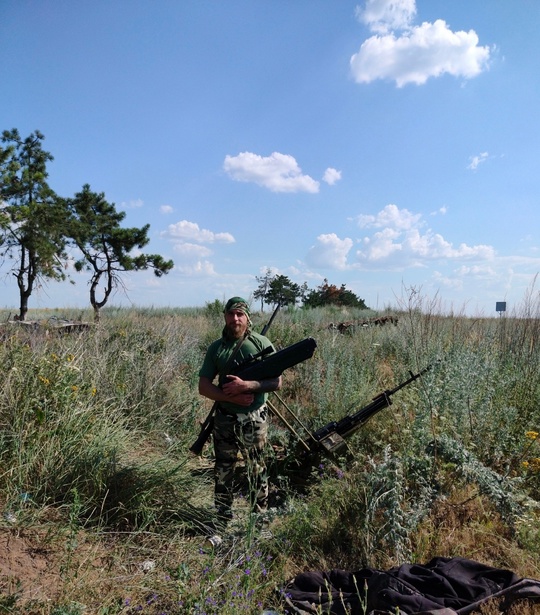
<point x="443" y="586"/>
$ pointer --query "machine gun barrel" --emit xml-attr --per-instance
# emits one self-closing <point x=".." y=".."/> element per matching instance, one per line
<point x="331" y="437"/>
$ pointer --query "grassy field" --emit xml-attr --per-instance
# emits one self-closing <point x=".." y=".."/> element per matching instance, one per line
<point x="105" y="511"/>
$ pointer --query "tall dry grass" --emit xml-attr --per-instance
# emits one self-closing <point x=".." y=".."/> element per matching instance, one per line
<point x="95" y="429"/>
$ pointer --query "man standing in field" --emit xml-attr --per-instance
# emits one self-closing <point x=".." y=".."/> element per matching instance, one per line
<point x="241" y="419"/>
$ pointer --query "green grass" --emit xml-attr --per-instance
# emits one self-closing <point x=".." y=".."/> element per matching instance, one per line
<point x="95" y="473"/>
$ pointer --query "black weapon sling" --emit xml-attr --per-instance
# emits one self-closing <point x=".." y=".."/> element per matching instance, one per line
<point x="230" y="360"/>
<point x="227" y="367"/>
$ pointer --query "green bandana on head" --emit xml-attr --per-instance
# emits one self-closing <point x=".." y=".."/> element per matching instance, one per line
<point x="237" y="303"/>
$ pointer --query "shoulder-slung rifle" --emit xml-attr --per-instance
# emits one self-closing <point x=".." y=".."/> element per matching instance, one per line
<point x="331" y="437"/>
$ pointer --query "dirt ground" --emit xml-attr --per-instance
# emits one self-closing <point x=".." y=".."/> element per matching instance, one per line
<point x="27" y="567"/>
<point x="40" y="568"/>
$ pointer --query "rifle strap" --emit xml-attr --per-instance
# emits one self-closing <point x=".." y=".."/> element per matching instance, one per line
<point x="239" y="343"/>
<point x="233" y="355"/>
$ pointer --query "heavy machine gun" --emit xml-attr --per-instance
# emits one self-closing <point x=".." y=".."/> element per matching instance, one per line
<point x="331" y="437"/>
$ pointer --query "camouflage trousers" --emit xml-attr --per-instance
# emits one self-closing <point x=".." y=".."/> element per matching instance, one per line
<point x="247" y="434"/>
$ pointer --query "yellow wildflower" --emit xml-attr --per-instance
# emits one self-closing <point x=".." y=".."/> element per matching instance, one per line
<point x="531" y="435"/>
<point x="535" y="464"/>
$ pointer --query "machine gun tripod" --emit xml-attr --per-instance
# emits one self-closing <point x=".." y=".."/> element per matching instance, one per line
<point x="330" y="439"/>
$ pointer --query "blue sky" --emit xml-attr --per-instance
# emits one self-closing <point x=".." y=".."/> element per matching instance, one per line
<point x="389" y="145"/>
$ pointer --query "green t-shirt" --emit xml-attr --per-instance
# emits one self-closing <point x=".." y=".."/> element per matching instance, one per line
<point x="216" y="359"/>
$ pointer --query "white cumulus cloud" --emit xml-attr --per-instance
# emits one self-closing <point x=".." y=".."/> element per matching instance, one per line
<point x="192" y="250"/>
<point x="384" y="15"/>
<point x="329" y="252"/>
<point x="395" y="239"/>
<point x="277" y="172"/>
<point x="191" y="242"/>
<point x="331" y="176"/>
<point x="200" y="268"/>
<point x="391" y="216"/>
<point x="190" y="231"/>
<point x="401" y="241"/>
<point x="166" y="209"/>
<point x="417" y="52"/>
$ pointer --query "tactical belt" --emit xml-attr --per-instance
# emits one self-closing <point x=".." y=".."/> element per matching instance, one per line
<point x="222" y="410"/>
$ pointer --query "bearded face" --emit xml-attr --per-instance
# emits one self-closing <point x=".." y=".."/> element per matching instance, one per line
<point x="236" y="323"/>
